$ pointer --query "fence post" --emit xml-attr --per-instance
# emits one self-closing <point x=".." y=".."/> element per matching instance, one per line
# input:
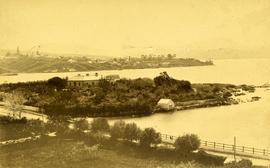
<point x="205" y="143"/>
<point x="214" y="145"/>
<point x="234" y="148"/>
<point x="223" y="146"/>
<point x="253" y="150"/>
<point x="243" y="149"/>
<point x="264" y="152"/>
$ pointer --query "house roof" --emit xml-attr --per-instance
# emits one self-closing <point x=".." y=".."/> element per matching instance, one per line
<point x="165" y="101"/>
<point x="112" y="77"/>
<point x="84" y="78"/>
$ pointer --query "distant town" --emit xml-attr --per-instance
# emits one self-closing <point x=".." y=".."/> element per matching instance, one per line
<point x="36" y="61"/>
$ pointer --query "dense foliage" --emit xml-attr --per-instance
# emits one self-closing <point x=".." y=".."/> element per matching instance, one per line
<point x="120" y="98"/>
<point x="100" y="141"/>
<point x="117" y="130"/>
<point x="187" y="143"/>
<point x="100" y="125"/>
<point x="149" y="137"/>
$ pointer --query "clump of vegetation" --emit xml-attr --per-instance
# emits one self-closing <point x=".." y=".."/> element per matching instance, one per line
<point x="149" y="137"/>
<point x="81" y="125"/>
<point x="99" y="140"/>
<point x="11" y="128"/>
<point x="164" y="80"/>
<point x="187" y="143"/>
<point x="244" y="163"/>
<point x="132" y="132"/>
<point x="57" y="83"/>
<point x="100" y="125"/>
<point x="124" y="97"/>
<point x="14" y="101"/>
<point x="12" y="120"/>
<point x="117" y="130"/>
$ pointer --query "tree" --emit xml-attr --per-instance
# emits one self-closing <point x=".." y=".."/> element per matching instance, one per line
<point x="163" y="79"/>
<point x="117" y="130"/>
<point x="132" y="132"/>
<point x="100" y="125"/>
<point x="57" y="82"/>
<point x="14" y="102"/>
<point x="104" y="84"/>
<point x="149" y="136"/>
<point x="187" y="143"/>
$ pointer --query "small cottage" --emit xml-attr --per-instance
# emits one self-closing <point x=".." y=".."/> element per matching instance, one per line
<point x="84" y="80"/>
<point x="166" y="104"/>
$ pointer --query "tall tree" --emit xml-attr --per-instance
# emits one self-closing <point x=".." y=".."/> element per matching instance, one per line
<point x="14" y="102"/>
<point x="149" y="136"/>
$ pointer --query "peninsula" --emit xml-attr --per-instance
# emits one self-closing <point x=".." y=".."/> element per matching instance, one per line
<point x="108" y="97"/>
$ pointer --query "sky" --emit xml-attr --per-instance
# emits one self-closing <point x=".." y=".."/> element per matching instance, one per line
<point x="120" y="27"/>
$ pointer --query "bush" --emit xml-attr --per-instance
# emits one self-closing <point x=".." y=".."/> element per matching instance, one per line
<point x="59" y="124"/>
<point x="149" y="137"/>
<point x="209" y="159"/>
<point x="117" y="130"/>
<point x="244" y="163"/>
<point x="100" y="125"/>
<point x="20" y="128"/>
<point x="132" y="132"/>
<point x="12" y="120"/>
<point x="81" y="125"/>
<point x="187" y="143"/>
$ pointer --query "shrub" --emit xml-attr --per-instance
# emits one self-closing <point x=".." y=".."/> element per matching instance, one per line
<point x="58" y="124"/>
<point x="81" y="125"/>
<point x="12" y="120"/>
<point x="209" y="159"/>
<point x="149" y="136"/>
<point x="100" y="125"/>
<point x="244" y="163"/>
<point x="117" y="130"/>
<point x="132" y="132"/>
<point x="187" y="143"/>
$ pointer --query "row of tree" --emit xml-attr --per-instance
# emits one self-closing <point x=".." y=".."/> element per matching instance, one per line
<point x="131" y="132"/>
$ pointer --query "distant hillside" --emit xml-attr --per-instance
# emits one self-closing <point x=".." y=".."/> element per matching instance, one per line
<point x="69" y="64"/>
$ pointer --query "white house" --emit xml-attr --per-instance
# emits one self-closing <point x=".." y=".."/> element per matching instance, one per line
<point x="166" y="104"/>
<point x="90" y="79"/>
<point x="84" y="80"/>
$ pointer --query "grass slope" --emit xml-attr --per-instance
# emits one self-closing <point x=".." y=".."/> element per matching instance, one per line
<point x="67" y="154"/>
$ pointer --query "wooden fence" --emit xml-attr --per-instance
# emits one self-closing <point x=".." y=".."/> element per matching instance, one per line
<point x="222" y="147"/>
<point x="233" y="148"/>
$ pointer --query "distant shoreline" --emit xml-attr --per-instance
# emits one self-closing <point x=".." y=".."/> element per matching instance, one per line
<point x="57" y="65"/>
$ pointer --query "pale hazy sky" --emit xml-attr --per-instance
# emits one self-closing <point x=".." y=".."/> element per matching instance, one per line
<point x="113" y="27"/>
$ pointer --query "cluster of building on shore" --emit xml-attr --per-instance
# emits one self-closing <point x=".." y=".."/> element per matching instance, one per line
<point x="84" y="80"/>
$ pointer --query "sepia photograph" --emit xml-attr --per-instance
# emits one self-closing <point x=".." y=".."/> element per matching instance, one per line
<point x="134" y="83"/>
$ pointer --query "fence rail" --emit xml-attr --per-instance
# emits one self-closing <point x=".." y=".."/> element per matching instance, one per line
<point x="216" y="146"/>
<point x="237" y="149"/>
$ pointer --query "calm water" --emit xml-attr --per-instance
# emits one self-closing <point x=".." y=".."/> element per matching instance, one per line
<point x="249" y="122"/>
<point x="248" y="71"/>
